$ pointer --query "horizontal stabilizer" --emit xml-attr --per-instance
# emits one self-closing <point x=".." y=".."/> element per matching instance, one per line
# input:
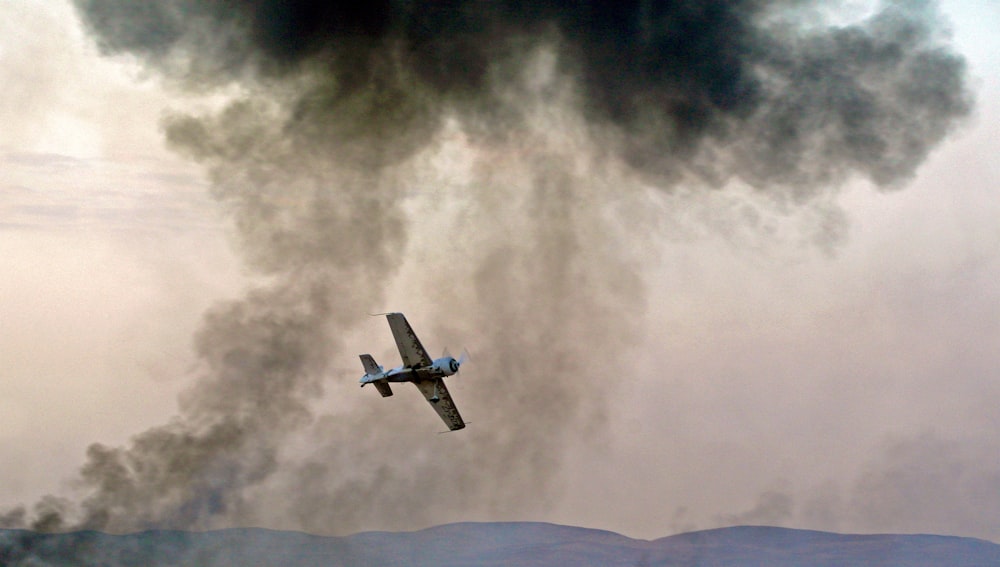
<point x="371" y="367"/>
<point x="383" y="388"/>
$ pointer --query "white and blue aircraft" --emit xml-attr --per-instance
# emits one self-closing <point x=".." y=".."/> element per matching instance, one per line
<point x="418" y="367"/>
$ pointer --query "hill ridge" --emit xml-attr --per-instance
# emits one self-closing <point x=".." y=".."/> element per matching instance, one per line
<point x="489" y="544"/>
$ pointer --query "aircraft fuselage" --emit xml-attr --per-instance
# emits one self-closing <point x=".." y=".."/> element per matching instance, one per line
<point x="444" y="366"/>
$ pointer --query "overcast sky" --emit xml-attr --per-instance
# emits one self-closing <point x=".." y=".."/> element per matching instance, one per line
<point x="844" y="377"/>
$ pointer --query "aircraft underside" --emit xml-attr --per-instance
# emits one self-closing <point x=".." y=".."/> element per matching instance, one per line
<point x="425" y="373"/>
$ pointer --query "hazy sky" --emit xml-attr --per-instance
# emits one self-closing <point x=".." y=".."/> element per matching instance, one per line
<point x="831" y="366"/>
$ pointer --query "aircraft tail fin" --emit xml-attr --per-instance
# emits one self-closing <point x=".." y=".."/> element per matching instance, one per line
<point x="373" y="369"/>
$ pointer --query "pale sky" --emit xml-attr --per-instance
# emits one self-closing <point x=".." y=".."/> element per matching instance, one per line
<point x="850" y="386"/>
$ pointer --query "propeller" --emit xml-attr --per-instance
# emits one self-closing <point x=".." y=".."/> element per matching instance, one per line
<point x="462" y="358"/>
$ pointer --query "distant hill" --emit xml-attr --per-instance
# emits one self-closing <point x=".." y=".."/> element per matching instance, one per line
<point x="491" y="544"/>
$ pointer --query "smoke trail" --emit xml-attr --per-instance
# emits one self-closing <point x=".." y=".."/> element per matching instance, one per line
<point x="561" y="112"/>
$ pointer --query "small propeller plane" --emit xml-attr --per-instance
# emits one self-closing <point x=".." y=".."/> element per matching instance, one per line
<point x="419" y="368"/>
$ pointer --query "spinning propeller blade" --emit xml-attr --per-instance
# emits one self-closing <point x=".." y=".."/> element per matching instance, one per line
<point x="460" y="360"/>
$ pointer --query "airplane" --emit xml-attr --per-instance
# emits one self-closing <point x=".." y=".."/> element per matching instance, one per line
<point x="418" y="367"/>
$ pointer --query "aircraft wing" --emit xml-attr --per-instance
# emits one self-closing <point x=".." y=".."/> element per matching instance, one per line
<point x="410" y="349"/>
<point x="437" y="394"/>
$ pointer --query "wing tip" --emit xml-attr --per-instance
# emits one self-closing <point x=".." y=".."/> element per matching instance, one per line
<point x="389" y="315"/>
<point x="452" y="429"/>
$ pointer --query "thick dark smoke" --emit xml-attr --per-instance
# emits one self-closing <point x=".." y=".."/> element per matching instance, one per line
<point x="558" y="113"/>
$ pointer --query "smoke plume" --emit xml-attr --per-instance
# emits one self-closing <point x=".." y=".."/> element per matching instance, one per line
<point x="527" y="132"/>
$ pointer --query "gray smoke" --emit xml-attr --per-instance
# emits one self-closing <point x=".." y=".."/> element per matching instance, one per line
<point x="924" y="483"/>
<point x="772" y="508"/>
<point x="560" y="114"/>
<point x="929" y="483"/>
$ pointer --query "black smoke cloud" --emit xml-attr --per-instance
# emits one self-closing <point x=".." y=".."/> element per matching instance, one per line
<point x="715" y="89"/>
<point x="561" y="110"/>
